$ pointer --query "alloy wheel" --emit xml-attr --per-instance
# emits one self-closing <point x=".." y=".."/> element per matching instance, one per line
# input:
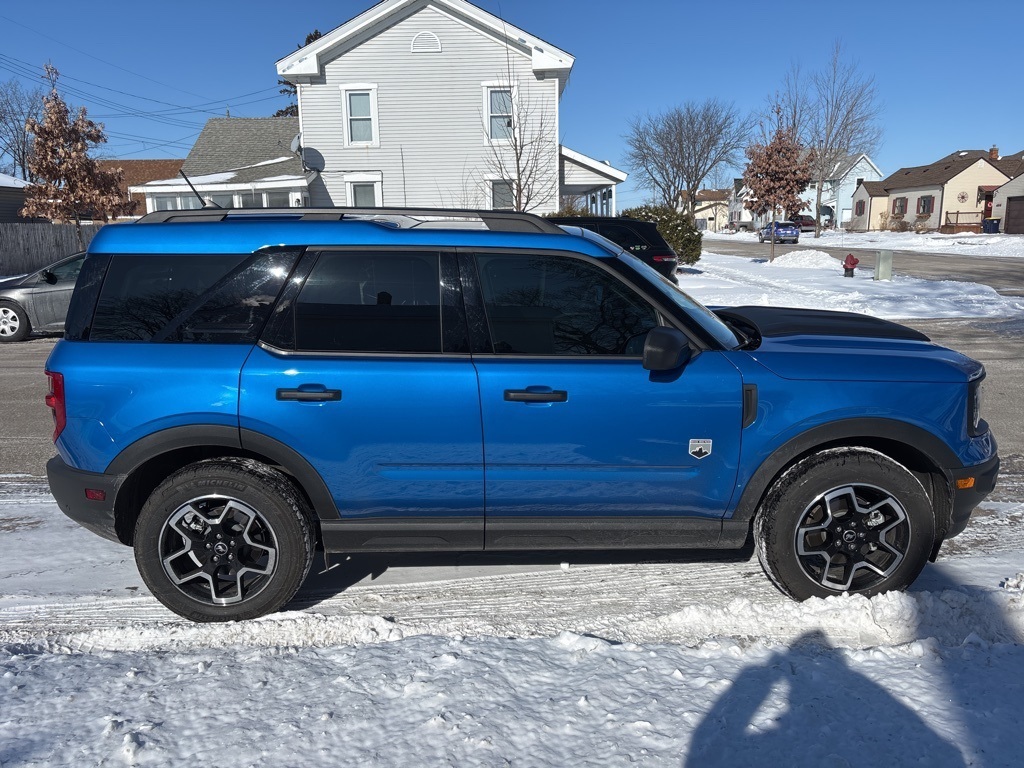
<point x="852" y="537"/>
<point x="218" y="550"/>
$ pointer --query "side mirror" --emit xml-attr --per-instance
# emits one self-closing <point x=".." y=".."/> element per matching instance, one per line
<point x="48" y="277"/>
<point x="666" y="349"/>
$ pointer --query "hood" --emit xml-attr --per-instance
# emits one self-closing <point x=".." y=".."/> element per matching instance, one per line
<point x="11" y="282"/>
<point x="846" y="347"/>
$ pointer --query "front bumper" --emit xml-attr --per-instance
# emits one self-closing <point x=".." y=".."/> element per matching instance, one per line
<point x="966" y="499"/>
<point x="68" y="486"/>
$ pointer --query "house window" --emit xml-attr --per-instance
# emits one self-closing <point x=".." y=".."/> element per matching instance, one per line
<point x="224" y="200"/>
<point x="502" y="196"/>
<point x="899" y="206"/>
<point x="859" y="182"/>
<point x="499" y="101"/>
<point x="184" y="202"/>
<point x="364" y="195"/>
<point x="277" y="198"/>
<point x="360" y="104"/>
<point x="251" y="199"/>
<point x="926" y="204"/>
<point x="859" y="208"/>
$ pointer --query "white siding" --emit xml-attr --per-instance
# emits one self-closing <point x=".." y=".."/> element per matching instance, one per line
<point x="913" y="194"/>
<point x="1013" y="188"/>
<point x="431" y="111"/>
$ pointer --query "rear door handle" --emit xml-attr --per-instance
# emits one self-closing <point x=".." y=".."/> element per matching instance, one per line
<point x="309" y="396"/>
<point x="532" y="396"/>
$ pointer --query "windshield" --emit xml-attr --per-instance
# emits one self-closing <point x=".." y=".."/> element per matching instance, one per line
<point x="696" y="311"/>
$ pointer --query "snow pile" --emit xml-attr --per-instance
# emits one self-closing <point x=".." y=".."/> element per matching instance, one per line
<point x="814" y="280"/>
<point x="805" y="260"/>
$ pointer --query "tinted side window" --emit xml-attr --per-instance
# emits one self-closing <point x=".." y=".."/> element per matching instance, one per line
<point x="626" y="237"/>
<point x="371" y="302"/>
<point x="68" y="273"/>
<point x="222" y="299"/>
<point x="553" y="305"/>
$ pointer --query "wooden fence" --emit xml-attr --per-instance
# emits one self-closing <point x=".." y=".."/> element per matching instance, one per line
<point x="27" y="247"/>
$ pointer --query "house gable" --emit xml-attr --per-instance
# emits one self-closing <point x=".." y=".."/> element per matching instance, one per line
<point x="429" y="112"/>
<point x="308" y="62"/>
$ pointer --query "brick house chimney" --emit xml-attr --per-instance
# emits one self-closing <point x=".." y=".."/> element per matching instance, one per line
<point x="993" y="154"/>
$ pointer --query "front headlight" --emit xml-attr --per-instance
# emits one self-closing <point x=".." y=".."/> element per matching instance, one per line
<point x="975" y="394"/>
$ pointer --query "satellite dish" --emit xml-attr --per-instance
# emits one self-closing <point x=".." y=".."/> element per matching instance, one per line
<point x="296" y="145"/>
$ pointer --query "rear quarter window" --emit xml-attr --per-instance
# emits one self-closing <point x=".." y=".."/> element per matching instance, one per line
<point x="189" y="298"/>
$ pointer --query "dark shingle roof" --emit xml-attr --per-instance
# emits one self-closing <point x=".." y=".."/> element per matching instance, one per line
<point x="140" y="171"/>
<point x="938" y="172"/>
<point x="874" y="188"/>
<point x="245" y="145"/>
<point x="1011" y="165"/>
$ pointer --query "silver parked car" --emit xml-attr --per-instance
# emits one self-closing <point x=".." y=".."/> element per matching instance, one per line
<point x="38" y="301"/>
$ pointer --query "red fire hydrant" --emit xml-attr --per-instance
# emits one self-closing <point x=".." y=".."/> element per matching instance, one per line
<point x="850" y="264"/>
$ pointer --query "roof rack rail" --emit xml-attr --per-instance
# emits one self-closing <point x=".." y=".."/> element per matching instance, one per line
<point x="405" y="218"/>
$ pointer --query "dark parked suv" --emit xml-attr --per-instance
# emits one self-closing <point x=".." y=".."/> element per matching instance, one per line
<point x="640" y="238"/>
<point x="236" y="390"/>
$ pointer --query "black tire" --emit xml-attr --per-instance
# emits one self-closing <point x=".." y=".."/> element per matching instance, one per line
<point x="760" y="238"/>
<point x="844" y="520"/>
<point x="14" y="322"/>
<point x="224" y="540"/>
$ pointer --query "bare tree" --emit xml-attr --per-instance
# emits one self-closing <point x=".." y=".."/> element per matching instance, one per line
<point x="17" y="107"/>
<point x="69" y="183"/>
<point x="790" y="107"/>
<point x="778" y="172"/>
<point x="842" y="119"/>
<point x="523" y="148"/>
<point x="672" y="153"/>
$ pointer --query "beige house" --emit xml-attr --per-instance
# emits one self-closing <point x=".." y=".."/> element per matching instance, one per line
<point x="953" y="194"/>
<point x="870" y="207"/>
<point x="711" y="210"/>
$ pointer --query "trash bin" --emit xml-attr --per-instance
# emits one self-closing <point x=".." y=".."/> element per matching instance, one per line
<point x="990" y="226"/>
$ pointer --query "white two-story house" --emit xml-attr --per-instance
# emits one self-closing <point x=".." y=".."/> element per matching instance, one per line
<point x="438" y="103"/>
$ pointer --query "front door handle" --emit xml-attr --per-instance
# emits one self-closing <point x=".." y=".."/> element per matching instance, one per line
<point x="309" y="396"/>
<point x="534" y="396"/>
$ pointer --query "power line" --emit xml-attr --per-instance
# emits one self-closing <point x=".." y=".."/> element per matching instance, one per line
<point x="167" y="117"/>
<point x="97" y="58"/>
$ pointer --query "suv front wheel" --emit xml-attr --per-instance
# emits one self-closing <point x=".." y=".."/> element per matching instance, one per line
<point x="844" y="520"/>
<point x="224" y="540"/>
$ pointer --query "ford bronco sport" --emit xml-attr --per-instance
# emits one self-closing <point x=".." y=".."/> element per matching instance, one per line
<point x="236" y="390"/>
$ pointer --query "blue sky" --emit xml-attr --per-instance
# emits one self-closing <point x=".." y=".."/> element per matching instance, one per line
<point x="947" y="79"/>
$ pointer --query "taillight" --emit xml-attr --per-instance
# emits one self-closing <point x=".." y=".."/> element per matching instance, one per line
<point x="55" y="401"/>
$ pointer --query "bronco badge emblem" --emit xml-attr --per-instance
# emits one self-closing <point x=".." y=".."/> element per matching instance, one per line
<point x="700" y="448"/>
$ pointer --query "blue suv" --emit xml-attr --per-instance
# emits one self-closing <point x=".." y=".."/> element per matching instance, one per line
<point x="237" y="390"/>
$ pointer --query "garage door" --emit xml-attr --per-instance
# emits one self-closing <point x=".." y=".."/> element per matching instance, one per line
<point x="1014" y="223"/>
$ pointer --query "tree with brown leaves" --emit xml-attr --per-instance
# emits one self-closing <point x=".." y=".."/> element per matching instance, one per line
<point x="70" y="185"/>
<point x="777" y="173"/>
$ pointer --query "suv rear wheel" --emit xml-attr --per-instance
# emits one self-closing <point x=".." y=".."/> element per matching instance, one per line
<point x="224" y="540"/>
<point x="845" y="520"/>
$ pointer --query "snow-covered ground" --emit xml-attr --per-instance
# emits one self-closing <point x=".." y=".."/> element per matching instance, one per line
<point x="692" y="659"/>
<point x="964" y="244"/>
<point x="814" y="280"/>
